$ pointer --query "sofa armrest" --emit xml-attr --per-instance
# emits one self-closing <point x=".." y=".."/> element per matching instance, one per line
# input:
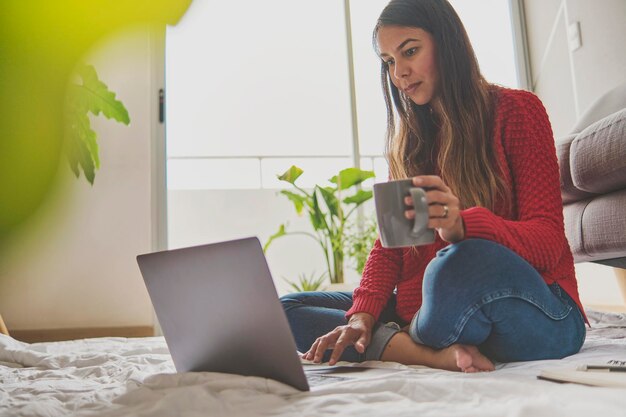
<point x="597" y="155"/>
<point x="569" y="192"/>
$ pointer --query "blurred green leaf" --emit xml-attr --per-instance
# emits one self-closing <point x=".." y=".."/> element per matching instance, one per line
<point x="307" y="283"/>
<point x="297" y="200"/>
<point x="360" y="197"/>
<point x="85" y="159"/>
<point x="291" y="175"/>
<point x="350" y="177"/>
<point x="316" y="216"/>
<point x="92" y="96"/>
<point x="360" y="240"/>
<point x="281" y="232"/>
<point x="328" y="193"/>
<point x="89" y="137"/>
<point x="41" y="42"/>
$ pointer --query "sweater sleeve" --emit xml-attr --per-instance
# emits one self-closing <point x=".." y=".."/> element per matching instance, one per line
<point x="380" y="276"/>
<point x="537" y="233"/>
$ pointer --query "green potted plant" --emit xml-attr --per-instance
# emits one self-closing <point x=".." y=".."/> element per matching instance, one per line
<point x="360" y="238"/>
<point x="306" y="282"/>
<point x="329" y="209"/>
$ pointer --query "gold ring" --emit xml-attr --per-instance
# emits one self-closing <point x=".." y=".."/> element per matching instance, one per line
<point x="445" y="212"/>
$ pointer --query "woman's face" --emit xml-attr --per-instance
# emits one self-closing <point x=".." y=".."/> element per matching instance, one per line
<point x="409" y="53"/>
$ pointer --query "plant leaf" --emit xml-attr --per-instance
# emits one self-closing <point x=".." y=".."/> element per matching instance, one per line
<point x="95" y="96"/>
<point x="317" y="218"/>
<point x="307" y="283"/>
<point x="86" y="162"/>
<point x="87" y="135"/>
<point x="73" y="155"/>
<point x="359" y="198"/>
<point x="328" y="193"/>
<point x="351" y="176"/>
<point x="291" y="175"/>
<point x="90" y="96"/>
<point x="281" y="232"/>
<point x="297" y="199"/>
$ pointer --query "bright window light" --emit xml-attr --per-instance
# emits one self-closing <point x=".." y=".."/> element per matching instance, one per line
<point x="270" y="85"/>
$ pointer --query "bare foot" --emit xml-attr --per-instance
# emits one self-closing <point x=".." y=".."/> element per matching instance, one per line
<point x="465" y="358"/>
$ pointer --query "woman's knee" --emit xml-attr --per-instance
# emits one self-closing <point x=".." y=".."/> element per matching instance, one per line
<point x="473" y="263"/>
<point x="291" y="301"/>
<point x="331" y="300"/>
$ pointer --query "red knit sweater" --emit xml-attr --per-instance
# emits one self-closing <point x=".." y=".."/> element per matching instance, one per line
<point x="524" y="144"/>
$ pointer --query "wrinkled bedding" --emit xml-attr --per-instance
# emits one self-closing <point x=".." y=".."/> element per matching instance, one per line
<point x="122" y="377"/>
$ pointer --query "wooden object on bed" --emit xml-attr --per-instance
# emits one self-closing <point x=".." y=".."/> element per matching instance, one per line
<point x="57" y="335"/>
<point x="620" y="274"/>
<point x="585" y="377"/>
<point x="3" y="327"/>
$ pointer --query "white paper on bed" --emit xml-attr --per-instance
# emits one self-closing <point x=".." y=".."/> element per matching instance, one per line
<point x="121" y="377"/>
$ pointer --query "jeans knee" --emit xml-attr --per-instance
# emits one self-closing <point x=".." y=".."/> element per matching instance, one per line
<point x="426" y="332"/>
<point x="447" y="265"/>
<point x="471" y="263"/>
<point x="290" y="301"/>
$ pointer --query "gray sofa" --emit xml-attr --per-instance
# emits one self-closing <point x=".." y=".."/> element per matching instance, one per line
<point x="592" y="162"/>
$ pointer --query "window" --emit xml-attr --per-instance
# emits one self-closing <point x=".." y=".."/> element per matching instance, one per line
<point x="248" y="92"/>
<point x="253" y="87"/>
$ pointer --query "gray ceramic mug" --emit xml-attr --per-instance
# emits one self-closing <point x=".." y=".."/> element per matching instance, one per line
<point x="394" y="228"/>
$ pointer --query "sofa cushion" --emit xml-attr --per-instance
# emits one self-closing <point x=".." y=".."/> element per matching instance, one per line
<point x="598" y="155"/>
<point x="569" y="193"/>
<point x="596" y="228"/>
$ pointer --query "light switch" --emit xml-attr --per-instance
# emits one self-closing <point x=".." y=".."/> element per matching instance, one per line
<point x="573" y="36"/>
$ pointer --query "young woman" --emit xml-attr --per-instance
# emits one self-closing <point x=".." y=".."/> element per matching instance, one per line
<point x="498" y="283"/>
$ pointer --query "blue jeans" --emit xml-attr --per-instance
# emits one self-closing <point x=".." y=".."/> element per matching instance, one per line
<point x="475" y="292"/>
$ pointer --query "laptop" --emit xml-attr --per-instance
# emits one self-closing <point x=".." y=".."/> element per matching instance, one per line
<point x="219" y="312"/>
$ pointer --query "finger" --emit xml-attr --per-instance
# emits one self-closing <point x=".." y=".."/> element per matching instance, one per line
<point x="437" y="221"/>
<point x="436" y="214"/>
<point x="441" y="211"/>
<point x="326" y="342"/>
<point x="363" y="342"/>
<point x="311" y="352"/>
<point x="439" y="197"/>
<point x="314" y="348"/>
<point x="340" y="346"/>
<point x="318" y="353"/>
<point x="430" y="181"/>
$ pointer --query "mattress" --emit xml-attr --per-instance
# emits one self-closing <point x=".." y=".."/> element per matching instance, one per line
<point x="136" y="377"/>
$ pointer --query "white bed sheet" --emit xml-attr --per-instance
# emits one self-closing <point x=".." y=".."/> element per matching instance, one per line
<point x="122" y="377"/>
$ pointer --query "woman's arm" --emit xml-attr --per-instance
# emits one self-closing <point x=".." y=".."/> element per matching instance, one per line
<point x="537" y="234"/>
<point x="380" y="276"/>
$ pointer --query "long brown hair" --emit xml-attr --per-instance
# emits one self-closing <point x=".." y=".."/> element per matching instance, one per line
<point x="453" y="137"/>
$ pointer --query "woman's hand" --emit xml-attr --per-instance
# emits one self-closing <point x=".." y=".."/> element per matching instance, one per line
<point x="357" y="332"/>
<point x="443" y="208"/>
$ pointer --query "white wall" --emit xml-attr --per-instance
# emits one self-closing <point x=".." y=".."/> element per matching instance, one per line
<point x="77" y="268"/>
<point x="206" y="216"/>
<point x="569" y="81"/>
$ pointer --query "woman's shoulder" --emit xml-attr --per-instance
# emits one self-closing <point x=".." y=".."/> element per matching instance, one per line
<point x="511" y="101"/>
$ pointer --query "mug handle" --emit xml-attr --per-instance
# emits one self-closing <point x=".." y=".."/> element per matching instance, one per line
<point x="419" y="203"/>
